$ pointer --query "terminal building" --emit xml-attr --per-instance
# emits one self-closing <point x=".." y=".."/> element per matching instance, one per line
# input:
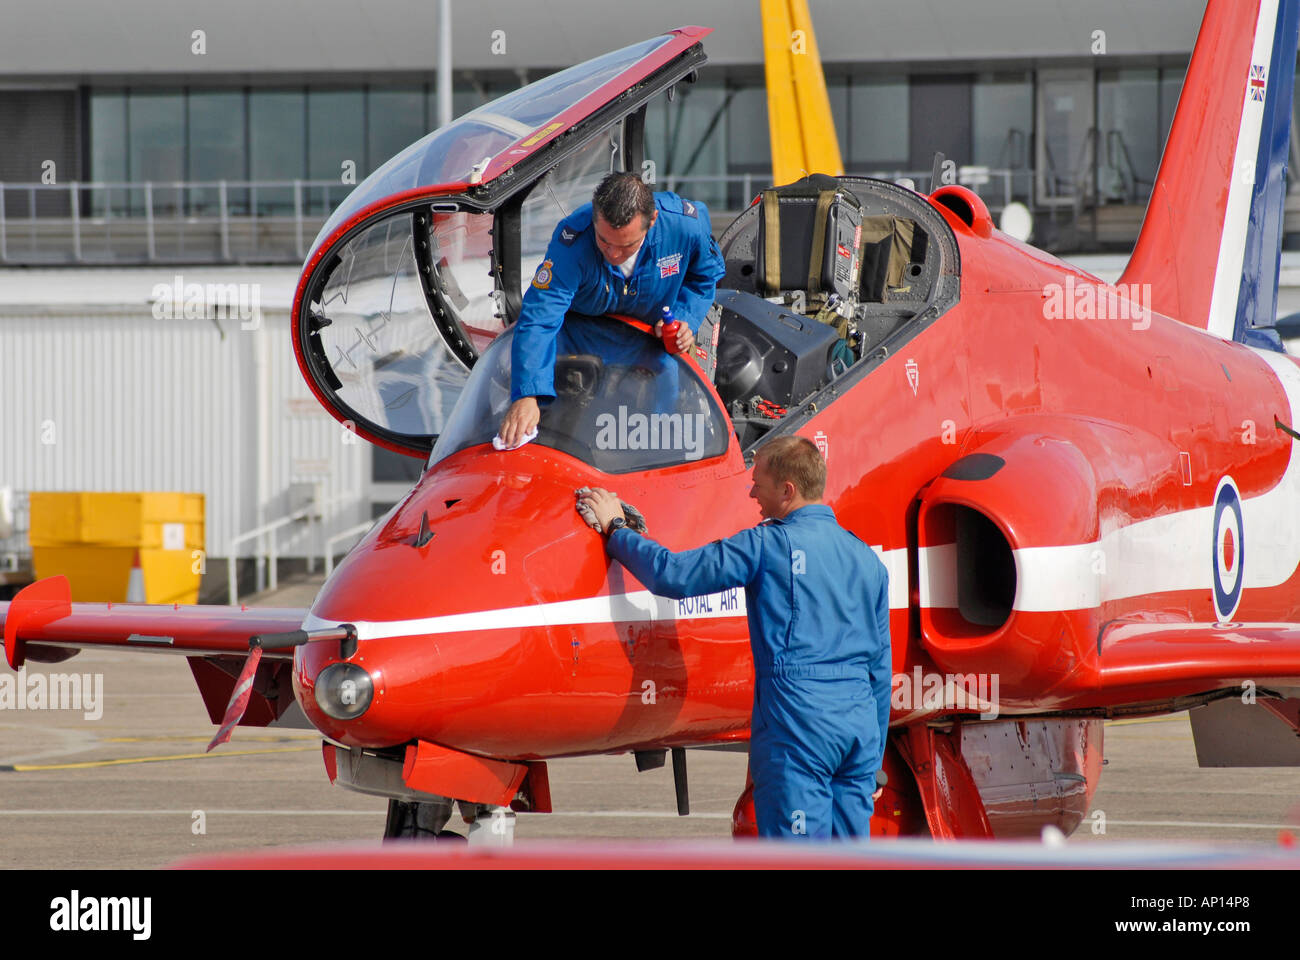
<point x="236" y="128"/>
<point x="150" y="148"/>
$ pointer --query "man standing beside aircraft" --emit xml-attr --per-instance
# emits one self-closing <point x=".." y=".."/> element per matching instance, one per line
<point x="817" y="600"/>
<point x="629" y="251"/>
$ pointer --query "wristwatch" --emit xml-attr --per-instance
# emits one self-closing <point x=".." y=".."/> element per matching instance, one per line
<point x="618" y="523"/>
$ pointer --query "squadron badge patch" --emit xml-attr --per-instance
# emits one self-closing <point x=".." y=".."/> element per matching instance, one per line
<point x="669" y="265"/>
<point x="542" y="279"/>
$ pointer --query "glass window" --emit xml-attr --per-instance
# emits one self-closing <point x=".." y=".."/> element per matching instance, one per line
<point x="837" y="90"/>
<point x="749" y="145"/>
<point x="1002" y="119"/>
<point x="692" y="155"/>
<point x="1066" y="139"/>
<point x="1128" y="125"/>
<point x="277" y="135"/>
<point x="216" y="135"/>
<point x="108" y="135"/>
<point x="157" y="148"/>
<point x="878" y="125"/>
<point x="630" y="406"/>
<point x="336" y="133"/>
<point x="396" y="118"/>
<point x="1002" y="130"/>
<point x="216" y="145"/>
<point x="108" y="152"/>
<point x="336" y="127"/>
<point x="157" y="136"/>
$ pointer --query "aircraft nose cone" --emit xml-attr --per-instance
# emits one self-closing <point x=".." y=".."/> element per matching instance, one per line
<point x="440" y="592"/>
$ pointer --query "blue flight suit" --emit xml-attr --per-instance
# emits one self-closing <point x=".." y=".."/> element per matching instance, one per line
<point x="817" y="600"/>
<point x="678" y="266"/>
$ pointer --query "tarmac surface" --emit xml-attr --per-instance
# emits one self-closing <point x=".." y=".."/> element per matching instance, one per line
<point x="134" y="788"/>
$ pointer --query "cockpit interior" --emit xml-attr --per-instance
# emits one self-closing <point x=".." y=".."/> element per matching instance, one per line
<point x="824" y="276"/>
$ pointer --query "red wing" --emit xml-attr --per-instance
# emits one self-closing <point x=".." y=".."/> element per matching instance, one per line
<point x="41" y="624"/>
<point x="1175" y="659"/>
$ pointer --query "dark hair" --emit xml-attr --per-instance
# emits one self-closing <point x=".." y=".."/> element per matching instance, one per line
<point x="797" y="460"/>
<point x="620" y="197"/>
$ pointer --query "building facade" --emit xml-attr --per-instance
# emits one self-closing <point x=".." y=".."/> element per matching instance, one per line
<point x="200" y="133"/>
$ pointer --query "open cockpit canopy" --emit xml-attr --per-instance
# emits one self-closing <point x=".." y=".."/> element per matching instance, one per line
<point x="426" y="260"/>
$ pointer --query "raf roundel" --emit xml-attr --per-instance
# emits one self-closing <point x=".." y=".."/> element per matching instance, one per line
<point x="1229" y="560"/>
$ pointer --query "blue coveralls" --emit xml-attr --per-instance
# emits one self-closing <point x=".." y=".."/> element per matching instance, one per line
<point x="678" y="266"/>
<point x="817" y="599"/>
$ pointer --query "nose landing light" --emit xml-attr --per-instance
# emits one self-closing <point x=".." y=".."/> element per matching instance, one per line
<point x="344" y="691"/>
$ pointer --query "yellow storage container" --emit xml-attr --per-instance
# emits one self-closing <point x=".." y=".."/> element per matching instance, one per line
<point x="94" y="539"/>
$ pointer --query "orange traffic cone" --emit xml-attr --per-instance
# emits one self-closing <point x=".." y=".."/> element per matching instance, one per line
<point x="135" y="586"/>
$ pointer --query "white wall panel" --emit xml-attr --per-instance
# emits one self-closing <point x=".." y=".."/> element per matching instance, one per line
<point x="138" y="403"/>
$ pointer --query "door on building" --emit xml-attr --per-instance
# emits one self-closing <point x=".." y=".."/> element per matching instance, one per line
<point x="939" y="109"/>
<point x="1065" y="148"/>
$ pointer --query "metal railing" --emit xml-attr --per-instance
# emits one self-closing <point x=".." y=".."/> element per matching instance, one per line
<point x="347" y="534"/>
<point x="267" y="552"/>
<point x="223" y="221"/>
<point x="273" y="221"/>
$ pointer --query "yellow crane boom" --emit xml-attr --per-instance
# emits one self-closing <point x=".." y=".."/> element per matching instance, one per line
<point x="798" y="108"/>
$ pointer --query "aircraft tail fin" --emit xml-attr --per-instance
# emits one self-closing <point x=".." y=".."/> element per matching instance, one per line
<point x="1212" y="238"/>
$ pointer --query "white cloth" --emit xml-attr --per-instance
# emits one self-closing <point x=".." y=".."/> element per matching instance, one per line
<point x="628" y="265"/>
<point x="499" y="444"/>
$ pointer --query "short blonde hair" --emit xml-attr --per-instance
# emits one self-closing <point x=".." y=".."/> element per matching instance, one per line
<point x="797" y="460"/>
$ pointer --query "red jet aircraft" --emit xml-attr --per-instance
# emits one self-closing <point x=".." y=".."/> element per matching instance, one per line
<point x="1086" y="495"/>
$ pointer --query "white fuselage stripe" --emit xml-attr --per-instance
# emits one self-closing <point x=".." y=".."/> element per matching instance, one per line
<point x="637" y="606"/>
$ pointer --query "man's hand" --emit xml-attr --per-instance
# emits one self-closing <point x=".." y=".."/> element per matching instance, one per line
<point x="605" y="505"/>
<point x="519" y="421"/>
<point x="685" y="339"/>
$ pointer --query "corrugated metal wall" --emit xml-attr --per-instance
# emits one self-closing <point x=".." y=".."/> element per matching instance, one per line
<point x="118" y="400"/>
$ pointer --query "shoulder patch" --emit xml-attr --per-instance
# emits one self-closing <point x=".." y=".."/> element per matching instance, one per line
<point x="688" y="209"/>
<point x="542" y="279"/>
<point x="568" y="235"/>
